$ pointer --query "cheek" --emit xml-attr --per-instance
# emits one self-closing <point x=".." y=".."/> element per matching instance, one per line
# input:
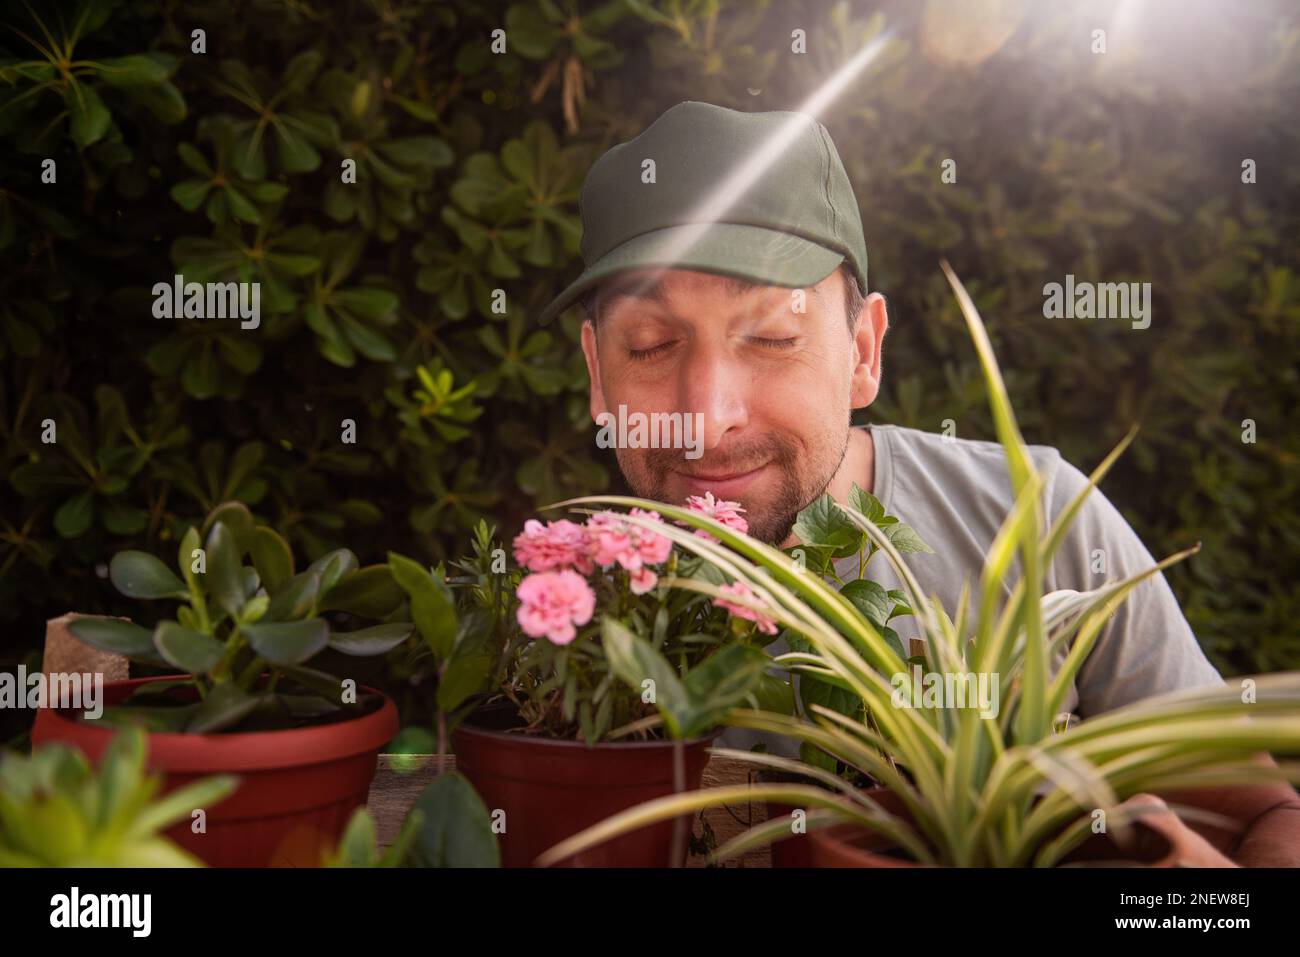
<point x="816" y="379"/>
<point x="637" y="388"/>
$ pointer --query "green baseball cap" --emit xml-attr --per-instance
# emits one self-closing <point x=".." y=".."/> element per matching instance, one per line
<point x="758" y="196"/>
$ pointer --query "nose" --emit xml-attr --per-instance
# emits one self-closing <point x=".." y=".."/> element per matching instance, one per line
<point x="716" y="384"/>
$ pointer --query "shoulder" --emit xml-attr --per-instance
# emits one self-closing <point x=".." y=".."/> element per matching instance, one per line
<point x="972" y="462"/>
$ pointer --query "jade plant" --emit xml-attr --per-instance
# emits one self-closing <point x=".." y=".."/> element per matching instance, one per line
<point x="246" y="629"/>
<point x="58" y="811"/>
<point x="1011" y="786"/>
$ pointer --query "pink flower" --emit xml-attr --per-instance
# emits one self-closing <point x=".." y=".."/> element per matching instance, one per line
<point x="642" y="580"/>
<point x="555" y="545"/>
<point x="616" y="540"/>
<point x="740" y="590"/>
<point x="728" y="513"/>
<point x="551" y="603"/>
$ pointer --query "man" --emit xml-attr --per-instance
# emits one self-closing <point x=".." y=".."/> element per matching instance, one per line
<point x="726" y="274"/>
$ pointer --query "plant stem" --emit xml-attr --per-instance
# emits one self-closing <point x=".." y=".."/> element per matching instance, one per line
<point x="678" y="853"/>
<point x="250" y="672"/>
<point x="233" y="644"/>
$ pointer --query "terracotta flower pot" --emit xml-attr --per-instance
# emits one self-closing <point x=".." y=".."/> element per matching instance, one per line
<point x="789" y="851"/>
<point x="551" y="790"/>
<point x="850" y="845"/>
<point x="297" y="788"/>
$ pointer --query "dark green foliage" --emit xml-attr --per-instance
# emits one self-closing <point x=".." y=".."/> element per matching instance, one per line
<point x="377" y="298"/>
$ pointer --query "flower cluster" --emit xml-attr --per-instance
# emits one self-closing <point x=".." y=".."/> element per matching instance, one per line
<point x="744" y="593"/>
<point x="556" y="599"/>
<point x="728" y="513"/>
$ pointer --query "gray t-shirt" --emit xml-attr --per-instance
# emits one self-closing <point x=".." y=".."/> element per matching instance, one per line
<point x="956" y="494"/>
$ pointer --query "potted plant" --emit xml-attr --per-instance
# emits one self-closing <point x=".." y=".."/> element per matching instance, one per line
<point x="57" y="811"/>
<point x="955" y="786"/>
<point x="537" y="699"/>
<point x="248" y="702"/>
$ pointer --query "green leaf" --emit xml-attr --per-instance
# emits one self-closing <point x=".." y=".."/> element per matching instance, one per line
<point x="369" y="592"/>
<point x="75" y="515"/>
<point x="288" y="642"/>
<point x="822" y="523"/>
<point x="470" y="663"/>
<point x="272" y="557"/>
<point x="371" y="641"/>
<point x="117" y="637"/>
<point x="333" y="567"/>
<point x="189" y="193"/>
<point x="866" y="503"/>
<point x="905" y="539"/>
<point x="164" y="101"/>
<point x="240" y="206"/>
<point x="235" y="515"/>
<point x="719" y="683"/>
<point x="371" y="343"/>
<point x="225" y="578"/>
<point x="813" y="690"/>
<point x="635" y="661"/>
<point x="90" y="117"/>
<point x="296" y="154"/>
<point x="301" y="70"/>
<point x="224" y="707"/>
<point x="457" y="829"/>
<point x="325" y="685"/>
<point x="432" y="609"/>
<point x="186" y="649"/>
<point x="141" y="575"/>
<point x="185" y="560"/>
<point x="296" y="599"/>
<point x="418" y="151"/>
<point x="773" y="694"/>
<point x="870" y="599"/>
<point x="369" y="303"/>
<point x="138" y="69"/>
<point x="122" y="519"/>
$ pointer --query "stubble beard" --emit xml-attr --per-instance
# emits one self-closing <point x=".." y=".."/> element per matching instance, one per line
<point x="649" y="474"/>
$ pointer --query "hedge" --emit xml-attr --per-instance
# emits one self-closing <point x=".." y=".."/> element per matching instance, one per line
<point x="397" y="388"/>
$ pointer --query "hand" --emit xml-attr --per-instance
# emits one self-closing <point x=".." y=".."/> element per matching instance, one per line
<point x="1187" y="848"/>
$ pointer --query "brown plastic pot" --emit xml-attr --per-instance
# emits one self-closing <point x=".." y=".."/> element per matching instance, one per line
<point x="297" y="787"/>
<point x="551" y="790"/>
<point x="851" y="845"/>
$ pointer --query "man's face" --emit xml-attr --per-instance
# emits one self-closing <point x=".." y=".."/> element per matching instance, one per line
<point x="776" y="386"/>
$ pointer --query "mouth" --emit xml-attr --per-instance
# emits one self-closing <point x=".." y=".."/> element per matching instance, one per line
<point x="726" y="485"/>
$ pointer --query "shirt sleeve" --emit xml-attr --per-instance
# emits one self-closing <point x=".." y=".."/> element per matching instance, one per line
<point x="1147" y="648"/>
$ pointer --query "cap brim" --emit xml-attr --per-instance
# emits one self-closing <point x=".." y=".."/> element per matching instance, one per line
<point x="766" y="256"/>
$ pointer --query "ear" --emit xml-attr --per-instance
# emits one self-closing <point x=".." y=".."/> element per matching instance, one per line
<point x="872" y="323"/>
<point x="593" y="369"/>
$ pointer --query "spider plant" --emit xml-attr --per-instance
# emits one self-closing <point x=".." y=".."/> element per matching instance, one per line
<point x="1010" y="789"/>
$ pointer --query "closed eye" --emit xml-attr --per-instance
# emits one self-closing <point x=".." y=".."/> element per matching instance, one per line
<point x="650" y="353"/>
<point x="775" y="343"/>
